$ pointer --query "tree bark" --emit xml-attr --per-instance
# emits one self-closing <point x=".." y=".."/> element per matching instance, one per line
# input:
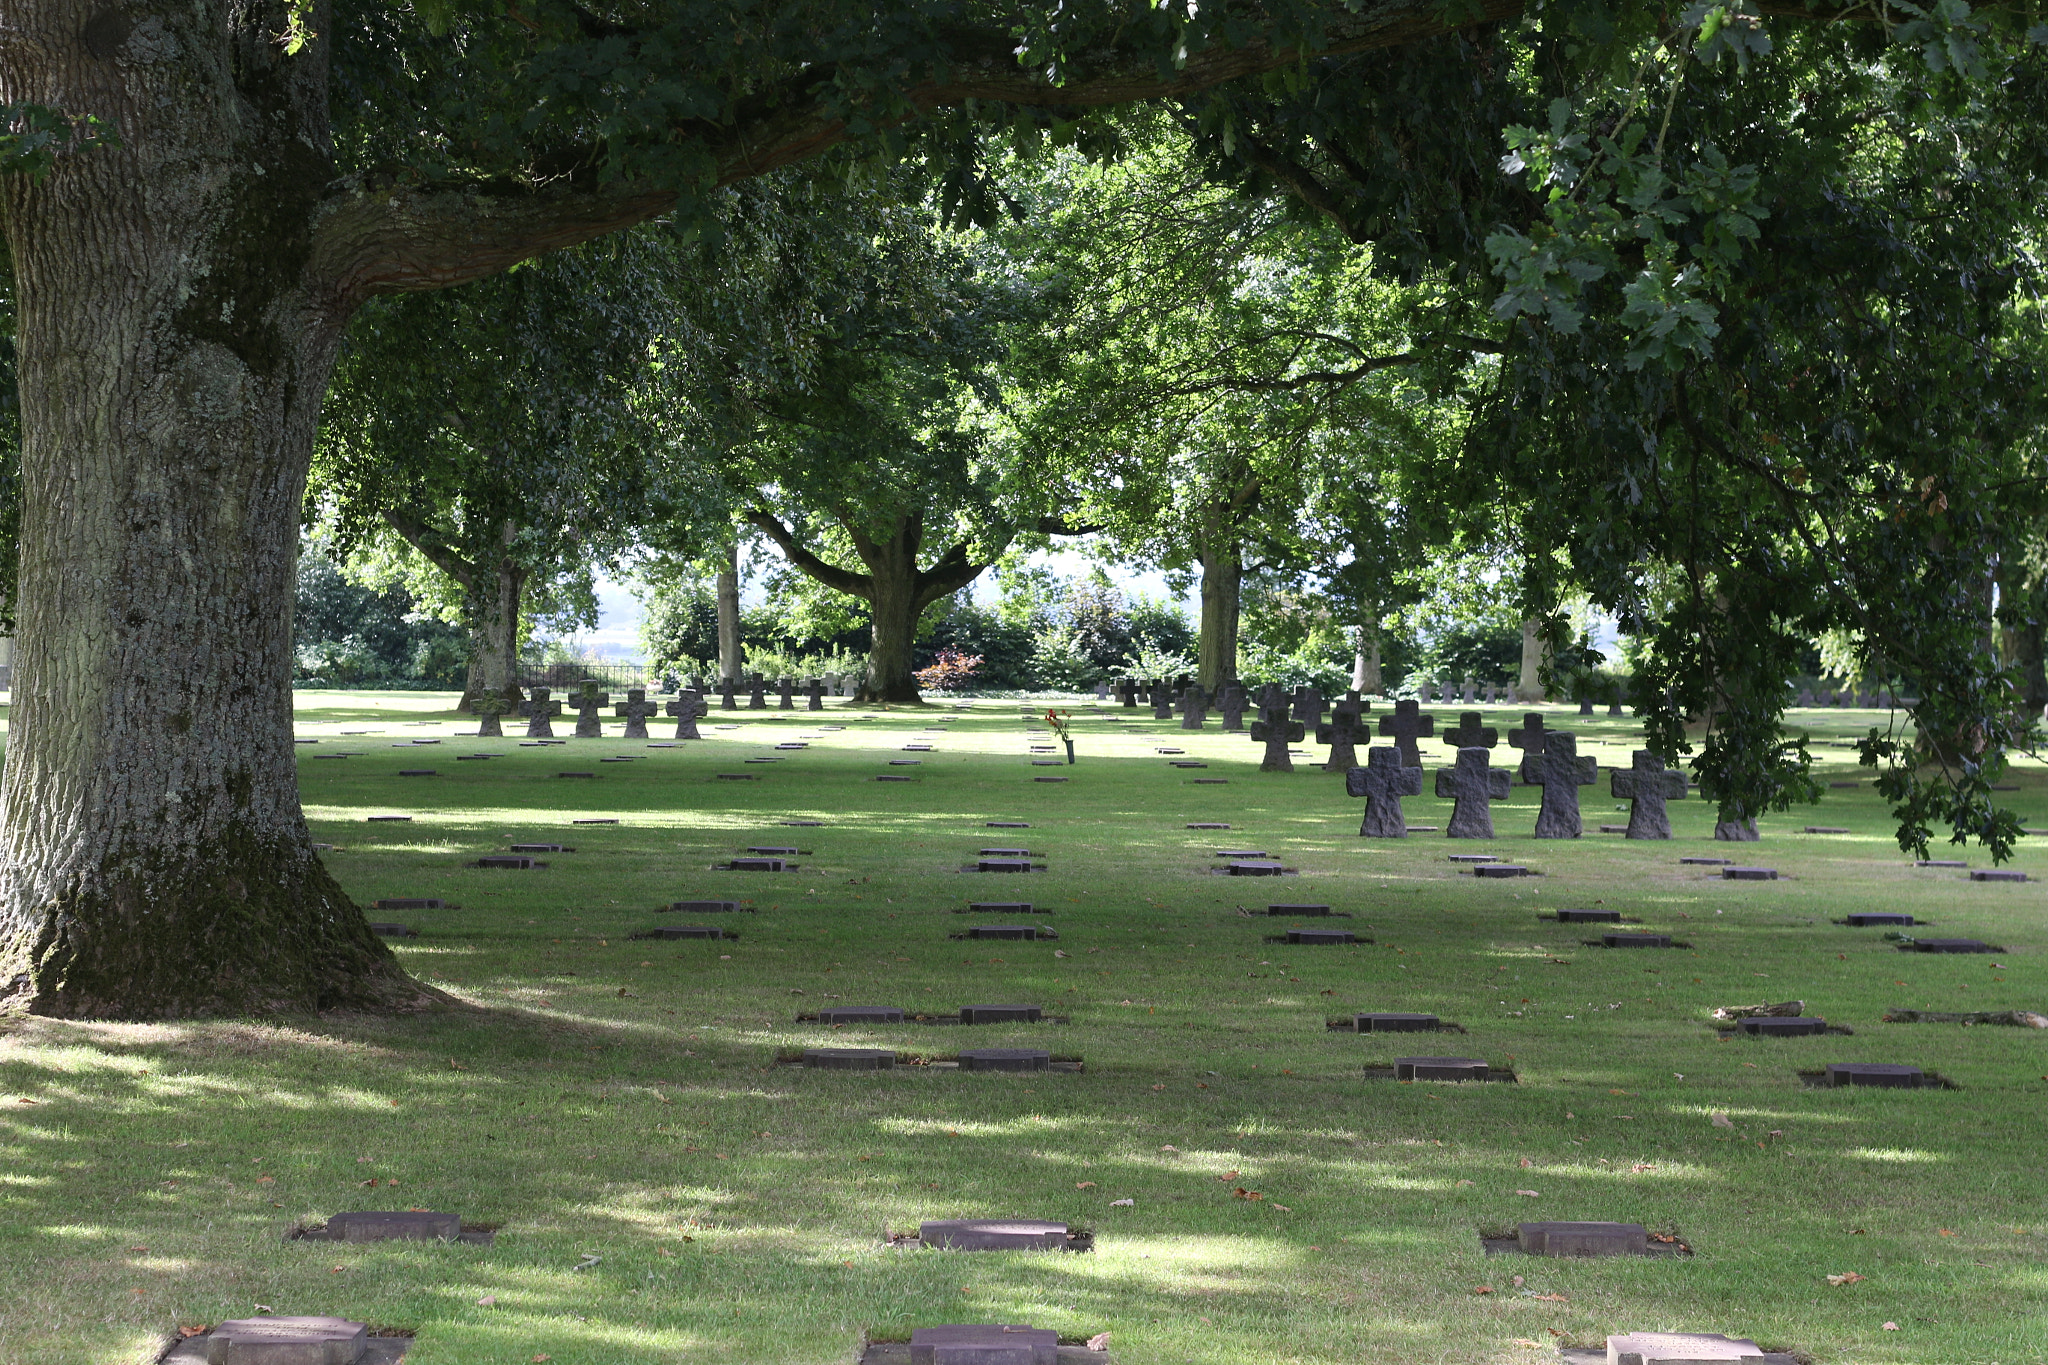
<point x="1365" y="663"/>
<point x="731" y="650"/>
<point x="1222" y="582"/>
<point x="172" y="362"/>
<point x="1529" y="687"/>
<point x="2021" y="642"/>
<point x="492" y="595"/>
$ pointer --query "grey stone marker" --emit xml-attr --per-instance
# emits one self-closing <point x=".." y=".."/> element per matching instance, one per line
<point x="850" y="1058"/>
<point x="993" y="1234"/>
<point x="1305" y="911"/>
<point x="539" y="713"/>
<point x="1647" y="786"/>
<point x="684" y="931"/>
<point x="1005" y="1059"/>
<point x="1383" y="781"/>
<point x="1395" y="1023"/>
<point x="384" y="930"/>
<point x="1749" y="874"/>
<point x="728" y="699"/>
<point x="1001" y="1014"/>
<point x="991" y="1344"/>
<point x="1274" y="730"/>
<point x="687" y="709"/>
<point x="1321" y="936"/>
<point x="489" y="709"/>
<point x="411" y="1226"/>
<point x="1939" y="862"/>
<point x="786" y="692"/>
<point x="1560" y="772"/>
<point x="281" y="1341"/>
<point x="1232" y="703"/>
<point x="1308" y="705"/>
<point x="757" y="692"/>
<point x="1253" y="869"/>
<point x="701" y="908"/>
<point x="1707" y="862"/>
<point x="1688" y="1348"/>
<point x="1500" y="870"/>
<point x="1472" y="783"/>
<point x="1589" y="917"/>
<point x="408" y="903"/>
<point x="507" y="860"/>
<point x="1951" y="945"/>
<point x="1784" y="1028"/>
<point x="1347" y="725"/>
<point x="1162" y="700"/>
<point x="1583" y="1239"/>
<point x="1635" y="940"/>
<point x="587" y="702"/>
<point x="1405" y="727"/>
<point x="1470" y="734"/>
<point x="1439" y="1069"/>
<point x="635" y="710"/>
<point x="1997" y="874"/>
<point x="1865" y="919"/>
<point x="814" y="695"/>
<point x="1882" y="1074"/>
<point x="1004" y="931"/>
<point x="1194" y="707"/>
<point x="1530" y="735"/>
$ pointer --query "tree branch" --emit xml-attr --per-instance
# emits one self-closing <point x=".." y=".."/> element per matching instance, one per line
<point x="831" y="575"/>
<point x="431" y="543"/>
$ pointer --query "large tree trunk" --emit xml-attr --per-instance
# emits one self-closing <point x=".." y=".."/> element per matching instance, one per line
<point x="2021" y="644"/>
<point x="497" y="628"/>
<point x="1365" y="663"/>
<point x="894" y="609"/>
<point x="155" y="859"/>
<point x="1529" y="687"/>
<point x="731" y="653"/>
<point x="1222" y="582"/>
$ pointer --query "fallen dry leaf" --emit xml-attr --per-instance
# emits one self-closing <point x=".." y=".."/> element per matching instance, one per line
<point x="540" y="1356"/>
<point x="1123" y="1203"/>
<point x="1526" y="1163"/>
<point x="192" y="1331"/>
<point x="1531" y="1193"/>
<point x="1084" y="1184"/>
<point x="1283" y="1208"/>
<point x="266" y="1180"/>
<point x="1243" y="1193"/>
<point x="1720" y="1120"/>
<point x="1524" y="1341"/>
<point x="1891" y="1327"/>
<point x="1642" y="1166"/>
<point x="1059" y="952"/>
<point x="1551" y="1298"/>
<point x="1228" y="1176"/>
<point x="1838" y="1281"/>
<point x="488" y="1301"/>
<point x="1464" y="1182"/>
<point x="1099" y="1342"/>
<point x="1482" y="1289"/>
<point x="1159" y="1087"/>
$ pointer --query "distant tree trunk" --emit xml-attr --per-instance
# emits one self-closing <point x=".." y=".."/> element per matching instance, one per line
<point x="894" y="609"/>
<point x="2021" y="642"/>
<point x="731" y="652"/>
<point x="1222" y="584"/>
<point x="1365" y="662"/>
<point x="1529" y="687"/>
<point x="492" y="595"/>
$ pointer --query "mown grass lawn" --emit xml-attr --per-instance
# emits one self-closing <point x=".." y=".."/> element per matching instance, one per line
<point x="603" y="1097"/>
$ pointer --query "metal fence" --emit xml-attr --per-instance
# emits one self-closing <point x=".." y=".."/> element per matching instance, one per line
<point x="605" y="673"/>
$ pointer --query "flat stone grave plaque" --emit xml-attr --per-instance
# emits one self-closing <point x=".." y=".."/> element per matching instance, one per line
<point x="1002" y="852"/>
<point x="1705" y="862"/>
<point x="508" y="860"/>
<point x="411" y="1226"/>
<point x="1588" y="917"/>
<point x="1253" y="869"/>
<point x="1320" y="936"/>
<point x="993" y="1234"/>
<point x="473" y="758"/>
<point x="1687" y="1348"/>
<point x="799" y="744"/>
<point x="1997" y="874"/>
<point x="758" y="865"/>
<point x="1864" y="919"/>
<point x="1614" y="829"/>
<point x="1242" y="853"/>
<point x="1474" y="858"/>
<point x="1827" y="829"/>
<point x="997" y="908"/>
<point x="1212" y="782"/>
<point x="541" y="848"/>
<point x="686" y="931"/>
<point x="757" y="758"/>
<point x="860" y="1014"/>
<point x="288" y="1341"/>
<point x="1003" y="865"/>
<point x="1208" y="824"/>
<point x="1635" y="940"/>
<point x="802" y="824"/>
<point x="1439" y="1069"/>
<point x="418" y="772"/>
<point x="1875" y="1073"/>
<point x="390" y="819"/>
<point x="622" y="758"/>
<point x="701" y="908"/>
<point x="895" y="777"/>
<point x="983" y="1345"/>
<point x="905" y="762"/>
<point x="1004" y="931"/>
<point x="1001" y="1014"/>
<point x="1168" y="751"/>
<point x="1772" y="1027"/>
<point x="1005" y="824"/>
<point x="772" y="850"/>
<point x="1582" y="1239"/>
<point x="1422" y="829"/>
<point x="393" y="930"/>
<point x="1185" y="763"/>
<point x="1005" y="1059"/>
<point x="850" y="1058"/>
<point x="908" y="748"/>
<point x="1306" y="911"/>
<point x="1949" y="945"/>
<point x="1500" y="870"/>
<point x="738" y="777"/>
<point x="1749" y="874"/>
<point x="591" y="775"/>
<point x="597" y="820"/>
<point x="1395" y="1023"/>
<point x="1045" y="763"/>
<point x="409" y="903"/>
<point x="1939" y="862"/>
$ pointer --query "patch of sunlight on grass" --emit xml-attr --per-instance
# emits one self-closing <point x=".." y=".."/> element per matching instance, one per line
<point x="33" y="1180"/>
<point x="1041" y="1123"/>
<point x="438" y="951"/>
<point x="1395" y="1238"/>
<point x="1898" y="1155"/>
<point x="1774" y="1115"/>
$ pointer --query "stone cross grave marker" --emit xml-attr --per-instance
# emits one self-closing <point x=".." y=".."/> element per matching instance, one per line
<point x="1347" y="725"/>
<point x="538" y="713"/>
<point x="1232" y="704"/>
<point x="686" y="709"/>
<point x="1276" y="732"/>
<point x="757" y="692"/>
<point x="1472" y="782"/>
<point x="489" y="707"/>
<point x="635" y="709"/>
<point x="1470" y="734"/>
<point x="1383" y="781"/>
<point x="814" y="695"/>
<point x="786" y="692"/>
<point x="586" y="702"/>
<point x="1127" y="693"/>
<point x="1101" y="691"/>
<point x="1470" y="693"/>
<point x="1308" y="705"/>
<point x="1647" y="786"/>
<point x="1194" y="707"/>
<point x="1162" y="700"/>
<point x="1560" y="772"/>
<point x="1528" y="736"/>
<point x="1404" y="727"/>
<point x="727" y="698"/>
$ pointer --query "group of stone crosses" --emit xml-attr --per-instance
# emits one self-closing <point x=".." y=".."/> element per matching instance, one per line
<point x="1186" y="697"/>
<point x="588" y="702"/>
